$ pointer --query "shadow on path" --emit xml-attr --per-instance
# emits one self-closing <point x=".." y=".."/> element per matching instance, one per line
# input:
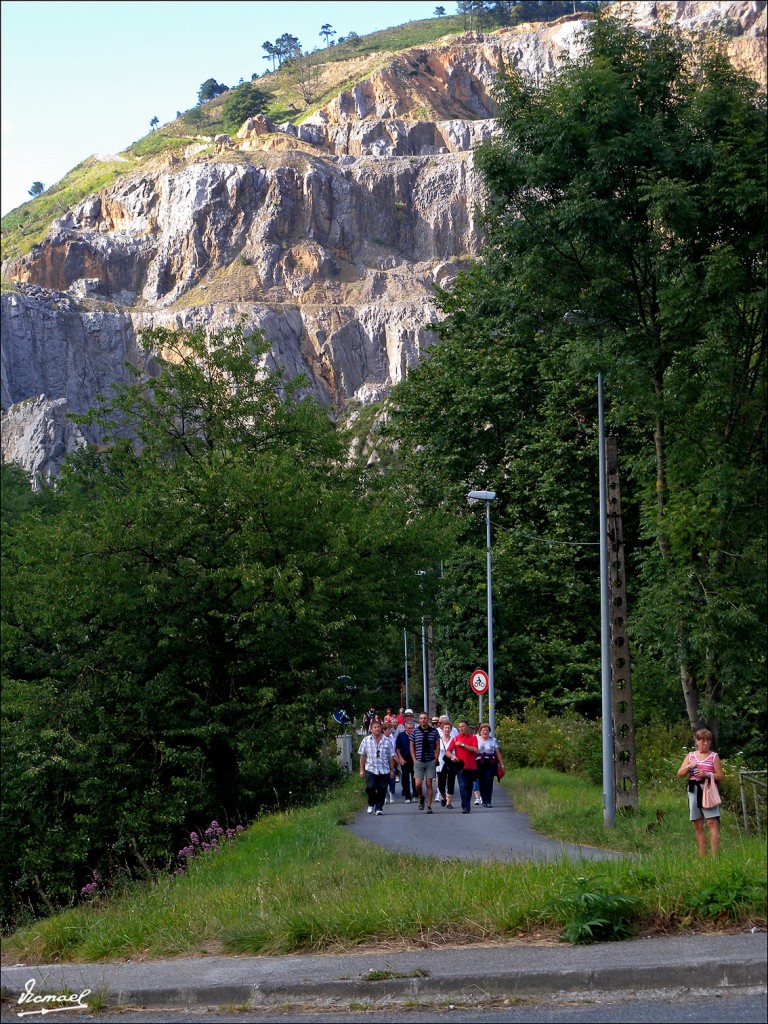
<point x="498" y="833"/>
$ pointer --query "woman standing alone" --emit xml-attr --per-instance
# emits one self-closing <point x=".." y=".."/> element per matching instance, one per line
<point x="702" y="767"/>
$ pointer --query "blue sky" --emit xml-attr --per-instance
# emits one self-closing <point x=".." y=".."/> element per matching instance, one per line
<point x="87" y="77"/>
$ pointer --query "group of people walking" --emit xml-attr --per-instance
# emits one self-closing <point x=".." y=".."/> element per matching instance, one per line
<point x="430" y="758"/>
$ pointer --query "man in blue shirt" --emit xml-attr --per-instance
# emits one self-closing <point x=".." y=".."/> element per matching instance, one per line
<point x="404" y="759"/>
<point x="425" y="750"/>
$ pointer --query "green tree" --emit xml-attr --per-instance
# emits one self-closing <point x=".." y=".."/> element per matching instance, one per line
<point x="286" y="47"/>
<point x="37" y="189"/>
<point x="327" y="32"/>
<point x="154" y="122"/>
<point x="626" y="230"/>
<point x="216" y="566"/>
<point x="210" y="89"/>
<point x="243" y="101"/>
<point x="271" y="53"/>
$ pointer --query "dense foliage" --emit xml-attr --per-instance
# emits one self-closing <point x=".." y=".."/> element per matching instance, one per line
<point x="178" y="612"/>
<point x="210" y="89"/>
<point x="244" y="101"/>
<point x="626" y="229"/>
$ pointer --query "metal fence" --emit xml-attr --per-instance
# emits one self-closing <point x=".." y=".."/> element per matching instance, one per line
<point x="756" y="785"/>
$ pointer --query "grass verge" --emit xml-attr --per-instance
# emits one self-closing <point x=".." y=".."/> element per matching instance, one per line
<point x="297" y="881"/>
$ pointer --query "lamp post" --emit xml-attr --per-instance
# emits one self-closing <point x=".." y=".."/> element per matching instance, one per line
<point x="407" y="694"/>
<point x="609" y="800"/>
<point x="425" y="705"/>
<point x="487" y="497"/>
<point x="422" y="573"/>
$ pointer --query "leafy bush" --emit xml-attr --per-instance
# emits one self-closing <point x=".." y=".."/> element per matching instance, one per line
<point x="726" y="896"/>
<point x="593" y="913"/>
<point x="568" y="743"/>
<point x="243" y="102"/>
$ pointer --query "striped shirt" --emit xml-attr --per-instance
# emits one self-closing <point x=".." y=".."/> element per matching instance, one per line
<point x="425" y="743"/>
<point x="707" y="765"/>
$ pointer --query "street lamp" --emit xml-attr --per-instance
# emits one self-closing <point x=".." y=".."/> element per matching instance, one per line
<point x="487" y="497"/>
<point x="407" y="692"/>
<point x="609" y="800"/>
<point x="422" y="573"/>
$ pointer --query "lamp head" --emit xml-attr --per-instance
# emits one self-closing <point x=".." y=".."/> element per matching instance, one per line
<point x="482" y="495"/>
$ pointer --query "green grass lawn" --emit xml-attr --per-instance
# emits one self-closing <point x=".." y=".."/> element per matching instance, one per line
<point x="297" y="881"/>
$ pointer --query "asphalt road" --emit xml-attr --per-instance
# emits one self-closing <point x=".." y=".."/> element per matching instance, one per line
<point x="649" y="1008"/>
<point x="487" y="833"/>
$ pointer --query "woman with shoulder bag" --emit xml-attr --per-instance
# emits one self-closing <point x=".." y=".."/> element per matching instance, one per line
<point x="703" y="769"/>
<point x="446" y="768"/>
<point x="489" y="762"/>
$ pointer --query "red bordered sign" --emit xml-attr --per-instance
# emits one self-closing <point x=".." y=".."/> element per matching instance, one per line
<point x="479" y="682"/>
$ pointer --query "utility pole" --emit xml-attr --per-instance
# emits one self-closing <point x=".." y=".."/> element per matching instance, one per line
<point x="625" y="758"/>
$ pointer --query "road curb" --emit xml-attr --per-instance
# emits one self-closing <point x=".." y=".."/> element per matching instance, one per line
<point x="421" y="986"/>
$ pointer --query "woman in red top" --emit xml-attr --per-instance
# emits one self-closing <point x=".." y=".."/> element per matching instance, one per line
<point x="699" y="766"/>
<point x="463" y="750"/>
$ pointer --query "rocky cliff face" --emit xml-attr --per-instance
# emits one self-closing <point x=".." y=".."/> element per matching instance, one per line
<point x="329" y="236"/>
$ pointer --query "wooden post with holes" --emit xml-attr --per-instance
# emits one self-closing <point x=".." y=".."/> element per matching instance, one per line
<point x="624" y="754"/>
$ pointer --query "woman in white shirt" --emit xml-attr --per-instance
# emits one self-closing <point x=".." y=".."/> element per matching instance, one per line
<point x="446" y="769"/>
<point x="489" y="759"/>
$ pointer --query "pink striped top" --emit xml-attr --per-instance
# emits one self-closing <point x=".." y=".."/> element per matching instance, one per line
<point x="707" y="765"/>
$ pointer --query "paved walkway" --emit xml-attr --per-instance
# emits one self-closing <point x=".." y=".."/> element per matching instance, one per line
<point x="487" y="833"/>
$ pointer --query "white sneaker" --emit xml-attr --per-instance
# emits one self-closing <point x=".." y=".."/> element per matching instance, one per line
<point x="379" y="812"/>
<point x="478" y="801"/>
<point x="370" y="810"/>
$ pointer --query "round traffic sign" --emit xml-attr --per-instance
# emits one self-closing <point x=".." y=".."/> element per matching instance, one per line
<point x="479" y="681"/>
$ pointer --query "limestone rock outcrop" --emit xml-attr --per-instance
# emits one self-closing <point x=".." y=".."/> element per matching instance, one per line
<point x="330" y="236"/>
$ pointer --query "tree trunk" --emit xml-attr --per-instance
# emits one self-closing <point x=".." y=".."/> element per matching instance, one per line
<point x="687" y="679"/>
<point x="691" y="696"/>
<point x="661" y="486"/>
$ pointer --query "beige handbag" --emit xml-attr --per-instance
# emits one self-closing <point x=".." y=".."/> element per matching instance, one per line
<point x="710" y="798"/>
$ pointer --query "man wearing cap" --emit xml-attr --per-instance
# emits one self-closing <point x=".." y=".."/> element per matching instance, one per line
<point x="425" y="750"/>
<point x="407" y="717"/>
